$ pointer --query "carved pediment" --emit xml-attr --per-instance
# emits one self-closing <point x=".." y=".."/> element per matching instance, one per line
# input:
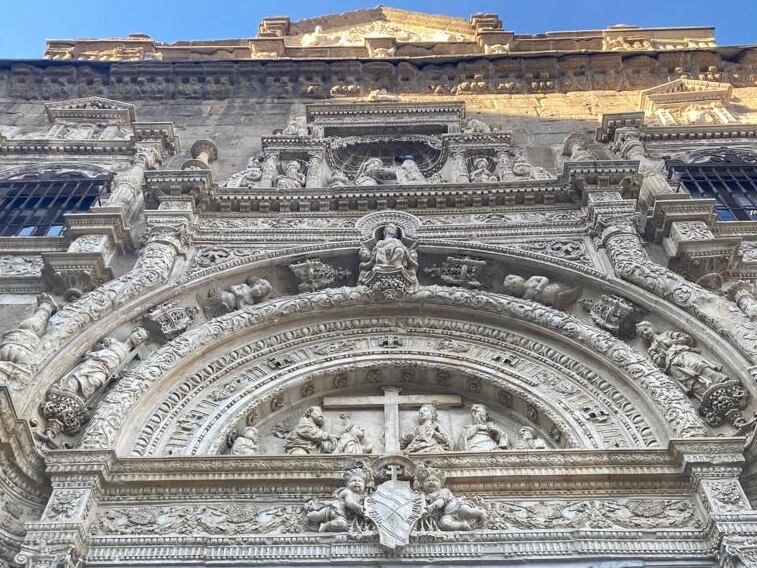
<point x="89" y="109"/>
<point x="689" y="102"/>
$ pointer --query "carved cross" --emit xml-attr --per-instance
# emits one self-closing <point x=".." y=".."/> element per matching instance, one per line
<point x="391" y="401"/>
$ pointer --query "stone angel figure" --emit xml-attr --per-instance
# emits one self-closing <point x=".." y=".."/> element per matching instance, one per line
<point x="220" y="301"/>
<point x="372" y="171"/>
<point x="346" y="504"/>
<point x="427" y="436"/>
<point x="540" y="289"/>
<point x="449" y="512"/>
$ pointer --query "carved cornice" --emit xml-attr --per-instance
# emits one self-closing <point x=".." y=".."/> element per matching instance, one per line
<point x="506" y="73"/>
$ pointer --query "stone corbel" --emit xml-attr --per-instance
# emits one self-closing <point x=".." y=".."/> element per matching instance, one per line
<point x="77" y="479"/>
<point x="84" y="266"/>
<point x="695" y="253"/>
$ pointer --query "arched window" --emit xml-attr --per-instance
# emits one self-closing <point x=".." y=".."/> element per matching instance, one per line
<point x="33" y="204"/>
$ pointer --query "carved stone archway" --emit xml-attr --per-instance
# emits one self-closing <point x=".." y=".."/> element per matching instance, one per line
<point x="198" y="348"/>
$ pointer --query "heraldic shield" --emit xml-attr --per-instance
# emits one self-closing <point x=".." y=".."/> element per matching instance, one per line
<point x="394" y="508"/>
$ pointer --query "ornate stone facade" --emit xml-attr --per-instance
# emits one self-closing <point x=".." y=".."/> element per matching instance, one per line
<point x="390" y="314"/>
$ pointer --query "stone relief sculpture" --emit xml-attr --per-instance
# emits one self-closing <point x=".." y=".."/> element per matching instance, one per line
<point x="540" y="289"/>
<point x="65" y="404"/>
<point x="292" y="177"/>
<point x="18" y="344"/>
<point x="170" y="319"/>
<point x="219" y="301"/>
<point x="389" y="264"/>
<point x="528" y="440"/>
<point x="427" y="436"/>
<point x="295" y="127"/>
<point x="408" y="172"/>
<point x="744" y="295"/>
<point x="458" y="271"/>
<point x="346" y="505"/>
<point x="372" y="171"/>
<point x="482" y="435"/>
<point x="309" y="436"/>
<point x="614" y="314"/>
<point x="447" y="512"/>
<point x="339" y="179"/>
<point x="246" y="444"/>
<point x="721" y="397"/>
<point x="352" y="441"/>
<point x="314" y="274"/>
<point x="254" y="172"/>
<point x="481" y="171"/>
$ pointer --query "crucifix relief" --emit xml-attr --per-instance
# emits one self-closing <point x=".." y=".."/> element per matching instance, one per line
<point x="426" y="436"/>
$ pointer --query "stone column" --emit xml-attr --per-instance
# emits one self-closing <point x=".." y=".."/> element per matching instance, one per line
<point x="204" y="152"/>
<point x="314" y="176"/>
<point x="61" y="537"/>
<point x="459" y="166"/>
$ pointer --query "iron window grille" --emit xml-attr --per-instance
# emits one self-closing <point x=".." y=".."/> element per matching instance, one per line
<point x="728" y="177"/>
<point x="34" y="206"/>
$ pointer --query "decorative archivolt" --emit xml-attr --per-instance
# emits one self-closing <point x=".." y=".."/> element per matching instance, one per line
<point x="108" y="426"/>
<point x="262" y="379"/>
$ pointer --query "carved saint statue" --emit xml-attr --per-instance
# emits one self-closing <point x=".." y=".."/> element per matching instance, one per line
<point x="528" y="440"/>
<point x="427" y="436"/>
<point x="246" y="444"/>
<point x="674" y="353"/>
<point x="352" y="441"/>
<point x="540" y="289"/>
<point x="483" y="435"/>
<point x="346" y="503"/>
<point x="100" y="364"/>
<point x="254" y="172"/>
<point x="409" y="173"/>
<point x="309" y="436"/>
<point x="389" y="252"/>
<point x="450" y="513"/>
<point x="371" y="171"/>
<point x="292" y="178"/>
<point x="480" y="172"/>
<point x="66" y="403"/>
<point x="294" y="128"/>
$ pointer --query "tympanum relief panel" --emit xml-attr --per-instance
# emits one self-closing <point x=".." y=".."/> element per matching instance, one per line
<point x="532" y="384"/>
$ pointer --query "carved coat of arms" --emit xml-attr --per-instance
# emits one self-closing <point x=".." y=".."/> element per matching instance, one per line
<point x="394" y="508"/>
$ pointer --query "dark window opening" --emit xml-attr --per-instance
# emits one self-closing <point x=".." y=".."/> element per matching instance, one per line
<point x="34" y="206"/>
<point x="730" y="178"/>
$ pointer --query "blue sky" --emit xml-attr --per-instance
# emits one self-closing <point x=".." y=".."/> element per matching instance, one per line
<point x="25" y="24"/>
